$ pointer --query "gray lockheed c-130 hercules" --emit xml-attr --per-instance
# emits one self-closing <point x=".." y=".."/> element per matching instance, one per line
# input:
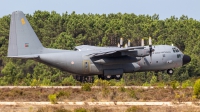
<point x="86" y="60"/>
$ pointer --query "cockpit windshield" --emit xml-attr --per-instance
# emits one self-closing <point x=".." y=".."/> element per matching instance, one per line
<point x="175" y="50"/>
<point x="75" y="49"/>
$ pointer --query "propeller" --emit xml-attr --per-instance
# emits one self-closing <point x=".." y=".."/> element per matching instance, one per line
<point x="129" y="43"/>
<point x="142" y="42"/>
<point x="150" y="47"/>
<point x="125" y="46"/>
<point x="118" y="45"/>
<point x="121" y="42"/>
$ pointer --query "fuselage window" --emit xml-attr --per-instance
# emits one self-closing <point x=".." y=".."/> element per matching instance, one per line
<point x="86" y="65"/>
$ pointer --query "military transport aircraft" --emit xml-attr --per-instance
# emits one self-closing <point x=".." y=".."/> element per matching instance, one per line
<point x="85" y="60"/>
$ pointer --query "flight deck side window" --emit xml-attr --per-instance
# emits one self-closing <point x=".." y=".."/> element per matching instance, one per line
<point x="178" y="55"/>
<point x="177" y="50"/>
<point x="75" y="49"/>
<point x="174" y="50"/>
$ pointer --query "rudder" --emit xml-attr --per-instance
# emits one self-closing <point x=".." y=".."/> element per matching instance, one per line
<point x="22" y="38"/>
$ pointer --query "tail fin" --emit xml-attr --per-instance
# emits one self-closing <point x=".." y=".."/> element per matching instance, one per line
<point x="22" y="38"/>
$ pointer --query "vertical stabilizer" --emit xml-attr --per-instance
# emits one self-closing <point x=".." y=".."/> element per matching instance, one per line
<point x="22" y="38"/>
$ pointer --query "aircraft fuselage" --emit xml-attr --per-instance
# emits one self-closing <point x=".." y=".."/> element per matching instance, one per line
<point x="106" y="62"/>
<point x="164" y="57"/>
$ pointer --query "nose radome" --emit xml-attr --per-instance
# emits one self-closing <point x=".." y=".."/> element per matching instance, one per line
<point x="186" y="59"/>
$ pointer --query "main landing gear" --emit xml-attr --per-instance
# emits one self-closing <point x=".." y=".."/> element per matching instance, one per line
<point x="89" y="79"/>
<point x="109" y="77"/>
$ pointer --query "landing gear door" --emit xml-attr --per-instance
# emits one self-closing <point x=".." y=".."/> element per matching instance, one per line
<point x="86" y="66"/>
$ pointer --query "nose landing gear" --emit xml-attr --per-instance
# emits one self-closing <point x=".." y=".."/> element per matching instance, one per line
<point x="170" y="71"/>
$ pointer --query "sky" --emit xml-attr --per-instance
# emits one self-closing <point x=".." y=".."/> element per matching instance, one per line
<point x="164" y="8"/>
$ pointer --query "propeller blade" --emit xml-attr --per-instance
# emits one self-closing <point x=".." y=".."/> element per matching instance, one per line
<point x="150" y="48"/>
<point x="142" y="42"/>
<point x="129" y="43"/>
<point x="150" y="42"/>
<point x="126" y="46"/>
<point x="121" y="41"/>
<point x="118" y="45"/>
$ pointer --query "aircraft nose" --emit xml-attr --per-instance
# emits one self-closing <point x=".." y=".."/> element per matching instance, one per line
<point x="186" y="59"/>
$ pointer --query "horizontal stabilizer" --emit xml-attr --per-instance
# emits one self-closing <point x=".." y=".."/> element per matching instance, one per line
<point x="25" y="56"/>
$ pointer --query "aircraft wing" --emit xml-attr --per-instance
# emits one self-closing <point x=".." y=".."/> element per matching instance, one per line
<point x="113" y="51"/>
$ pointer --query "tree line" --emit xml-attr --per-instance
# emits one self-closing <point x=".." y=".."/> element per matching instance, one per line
<point x="64" y="31"/>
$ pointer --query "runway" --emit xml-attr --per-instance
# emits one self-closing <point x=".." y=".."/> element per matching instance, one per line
<point x="79" y="87"/>
<point x="20" y="104"/>
<point x="106" y="103"/>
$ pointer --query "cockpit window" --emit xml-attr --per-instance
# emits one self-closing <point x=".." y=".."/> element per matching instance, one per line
<point x="175" y="50"/>
<point x="75" y="49"/>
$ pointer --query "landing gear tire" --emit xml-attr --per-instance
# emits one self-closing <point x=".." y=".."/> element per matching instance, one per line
<point x="89" y="79"/>
<point x="118" y="77"/>
<point x="108" y="77"/>
<point x="170" y="71"/>
<point x="101" y="77"/>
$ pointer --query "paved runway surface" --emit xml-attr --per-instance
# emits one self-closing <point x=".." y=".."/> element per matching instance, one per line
<point x="79" y="87"/>
<point x="118" y="106"/>
<point x="107" y="103"/>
